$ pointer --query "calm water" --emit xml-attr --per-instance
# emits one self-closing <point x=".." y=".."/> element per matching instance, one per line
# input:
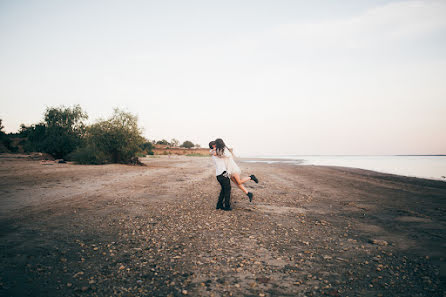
<point x="432" y="167"/>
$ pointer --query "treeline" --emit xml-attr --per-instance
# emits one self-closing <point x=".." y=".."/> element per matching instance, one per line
<point x="176" y="143"/>
<point x="6" y="144"/>
<point x="64" y="135"/>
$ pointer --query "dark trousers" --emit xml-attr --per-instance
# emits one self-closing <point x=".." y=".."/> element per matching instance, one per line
<point x="224" y="199"/>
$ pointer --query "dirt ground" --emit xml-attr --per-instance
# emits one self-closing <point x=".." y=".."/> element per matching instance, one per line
<point x="117" y="230"/>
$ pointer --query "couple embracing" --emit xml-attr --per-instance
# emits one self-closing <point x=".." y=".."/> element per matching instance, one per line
<point x="227" y="170"/>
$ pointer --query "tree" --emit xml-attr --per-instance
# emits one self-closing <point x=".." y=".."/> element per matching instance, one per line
<point x="35" y="137"/>
<point x="163" y="142"/>
<point x="67" y="118"/>
<point x="59" y="134"/>
<point x="175" y="142"/>
<point x="116" y="140"/>
<point x="65" y="128"/>
<point x="5" y="142"/>
<point x="187" y="144"/>
<point x="197" y="145"/>
<point x="147" y="147"/>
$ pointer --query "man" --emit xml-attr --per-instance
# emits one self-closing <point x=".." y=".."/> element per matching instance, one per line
<point x="224" y="199"/>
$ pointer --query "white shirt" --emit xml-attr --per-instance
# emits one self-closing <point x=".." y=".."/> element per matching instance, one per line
<point x="220" y="166"/>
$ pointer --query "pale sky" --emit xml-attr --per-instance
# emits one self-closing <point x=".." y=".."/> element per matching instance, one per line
<point x="269" y="77"/>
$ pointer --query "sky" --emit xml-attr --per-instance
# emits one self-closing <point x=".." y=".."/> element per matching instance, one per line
<point x="269" y="77"/>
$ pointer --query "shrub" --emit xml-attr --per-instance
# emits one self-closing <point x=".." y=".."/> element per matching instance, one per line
<point x="88" y="155"/>
<point x="4" y="140"/>
<point x="187" y="144"/>
<point x="59" y="134"/>
<point x="163" y="142"/>
<point x="118" y="139"/>
<point x="147" y="147"/>
<point x="35" y="137"/>
<point x="6" y="144"/>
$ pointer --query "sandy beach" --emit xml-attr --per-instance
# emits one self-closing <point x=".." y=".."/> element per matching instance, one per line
<point x="118" y="230"/>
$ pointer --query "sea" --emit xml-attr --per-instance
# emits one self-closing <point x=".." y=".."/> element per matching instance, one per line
<point x="429" y="166"/>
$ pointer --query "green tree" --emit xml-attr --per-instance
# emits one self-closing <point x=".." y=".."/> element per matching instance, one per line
<point x="5" y="142"/>
<point x="116" y="140"/>
<point x="59" y="134"/>
<point x="187" y="144"/>
<point x="163" y="142"/>
<point x="35" y="136"/>
<point x="147" y="147"/>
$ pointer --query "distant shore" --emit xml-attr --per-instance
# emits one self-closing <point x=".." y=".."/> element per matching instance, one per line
<point x="120" y="230"/>
<point x="421" y="166"/>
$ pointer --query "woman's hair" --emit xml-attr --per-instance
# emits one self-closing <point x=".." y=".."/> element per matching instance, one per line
<point x="220" y="144"/>
<point x="211" y="144"/>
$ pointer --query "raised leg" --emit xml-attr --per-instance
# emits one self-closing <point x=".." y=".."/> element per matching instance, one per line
<point x="236" y="179"/>
<point x="244" y="180"/>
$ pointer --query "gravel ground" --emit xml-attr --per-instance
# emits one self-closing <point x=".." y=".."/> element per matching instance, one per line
<point x="116" y="230"/>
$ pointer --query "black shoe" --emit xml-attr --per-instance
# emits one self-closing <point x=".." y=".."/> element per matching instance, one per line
<point x="219" y="207"/>
<point x="254" y="178"/>
<point x="227" y="208"/>
<point x="250" y="195"/>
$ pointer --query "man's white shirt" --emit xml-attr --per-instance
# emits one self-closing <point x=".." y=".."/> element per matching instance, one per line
<point x="220" y="166"/>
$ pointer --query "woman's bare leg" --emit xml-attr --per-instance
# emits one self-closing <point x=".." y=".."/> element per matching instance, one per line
<point x="244" y="180"/>
<point x="236" y="179"/>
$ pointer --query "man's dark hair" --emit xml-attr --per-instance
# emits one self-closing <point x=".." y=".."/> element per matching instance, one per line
<point x="211" y="144"/>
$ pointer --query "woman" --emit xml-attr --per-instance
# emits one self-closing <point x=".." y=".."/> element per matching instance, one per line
<point x="233" y="170"/>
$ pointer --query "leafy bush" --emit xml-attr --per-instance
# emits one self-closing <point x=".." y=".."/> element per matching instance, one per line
<point x="116" y="140"/>
<point x="147" y="147"/>
<point x="88" y="155"/>
<point x="35" y="136"/>
<point x="4" y="140"/>
<point x="187" y="144"/>
<point x="6" y="144"/>
<point x="163" y="142"/>
<point x="59" y="134"/>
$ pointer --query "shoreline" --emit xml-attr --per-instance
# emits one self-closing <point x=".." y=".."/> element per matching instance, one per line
<point x="101" y="230"/>
<point x="301" y="162"/>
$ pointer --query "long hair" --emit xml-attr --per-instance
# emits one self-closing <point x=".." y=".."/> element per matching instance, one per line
<point x="220" y="145"/>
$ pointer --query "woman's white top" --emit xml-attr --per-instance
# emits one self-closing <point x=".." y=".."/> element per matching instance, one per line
<point x="231" y="166"/>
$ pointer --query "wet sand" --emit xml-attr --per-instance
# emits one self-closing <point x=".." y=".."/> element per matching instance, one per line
<point x="117" y="230"/>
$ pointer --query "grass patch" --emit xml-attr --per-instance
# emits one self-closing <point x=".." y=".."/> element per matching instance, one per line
<point x="196" y="155"/>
